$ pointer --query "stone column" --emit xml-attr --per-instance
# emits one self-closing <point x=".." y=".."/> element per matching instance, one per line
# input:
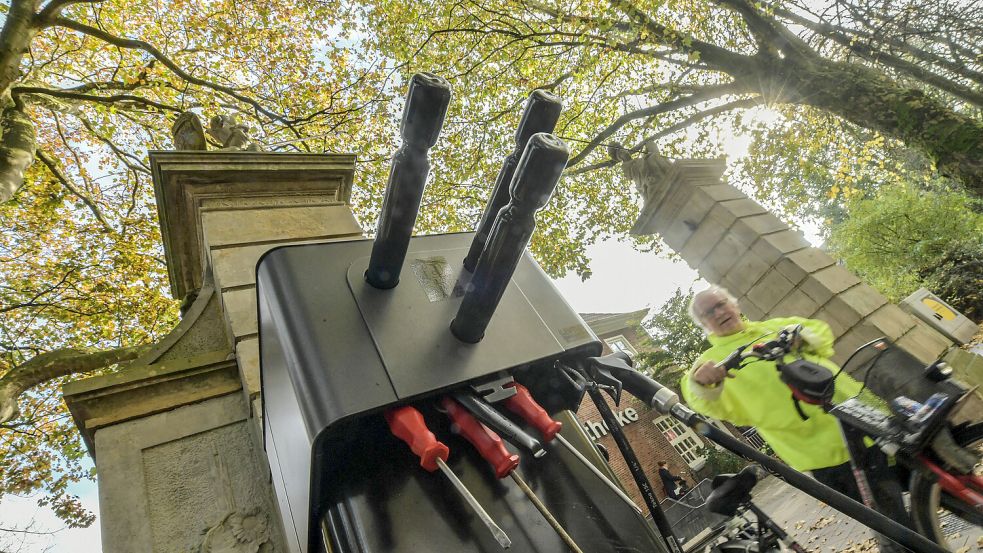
<point x="176" y="435"/>
<point x="733" y="241"/>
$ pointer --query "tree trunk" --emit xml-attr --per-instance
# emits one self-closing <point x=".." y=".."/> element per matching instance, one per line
<point x="17" y="144"/>
<point x="16" y="130"/>
<point x="15" y="40"/>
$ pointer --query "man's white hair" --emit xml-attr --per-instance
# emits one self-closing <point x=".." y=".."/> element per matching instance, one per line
<point x="713" y="289"/>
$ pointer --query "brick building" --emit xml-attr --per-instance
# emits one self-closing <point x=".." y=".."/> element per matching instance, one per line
<point x="654" y="437"/>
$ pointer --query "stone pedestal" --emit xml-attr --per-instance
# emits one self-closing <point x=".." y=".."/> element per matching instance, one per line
<point x="176" y="434"/>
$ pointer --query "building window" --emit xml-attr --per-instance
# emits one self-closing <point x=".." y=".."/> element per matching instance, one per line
<point x="682" y="439"/>
<point x="620" y="343"/>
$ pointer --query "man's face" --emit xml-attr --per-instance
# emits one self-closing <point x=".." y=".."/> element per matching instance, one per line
<point x="719" y="315"/>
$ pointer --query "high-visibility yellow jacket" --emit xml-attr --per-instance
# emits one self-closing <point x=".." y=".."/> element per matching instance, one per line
<point x="757" y="397"/>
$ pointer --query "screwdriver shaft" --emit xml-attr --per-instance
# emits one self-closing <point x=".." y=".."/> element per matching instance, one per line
<point x="499" y="534"/>
<point x="567" y="539"/>
<point x="614" y="487"/>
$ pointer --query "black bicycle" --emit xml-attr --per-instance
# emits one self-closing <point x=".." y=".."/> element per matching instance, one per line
<point x="944" y="459"/>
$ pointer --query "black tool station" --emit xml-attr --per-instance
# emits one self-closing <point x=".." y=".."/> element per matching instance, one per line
<point x="394" y="369"/>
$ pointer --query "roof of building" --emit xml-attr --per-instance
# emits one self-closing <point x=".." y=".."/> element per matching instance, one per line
<point x="602" y="323"/>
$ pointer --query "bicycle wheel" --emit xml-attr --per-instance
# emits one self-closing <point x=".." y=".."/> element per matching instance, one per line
<point x="941" y="517"/>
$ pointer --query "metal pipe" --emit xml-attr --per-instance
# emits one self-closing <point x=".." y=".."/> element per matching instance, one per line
<point x="423" y="117"/>
<point x="541" y="114"/>
<point x="539" y="170"/>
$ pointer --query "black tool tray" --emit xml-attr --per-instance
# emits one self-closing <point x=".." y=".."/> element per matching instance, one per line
<point x="335" y="352"/>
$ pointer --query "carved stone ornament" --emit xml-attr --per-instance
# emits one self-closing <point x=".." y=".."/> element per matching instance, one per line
<point x="648" y="171"/>
<point x="238" y="532"/>
<point x="232" y="135"/>
<point x="188" y="133"/>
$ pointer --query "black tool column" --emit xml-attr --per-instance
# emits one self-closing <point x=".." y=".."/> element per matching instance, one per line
<point x="541" y="114"/>
<point x="539" y="169"/>
<point x="423" y="117"/>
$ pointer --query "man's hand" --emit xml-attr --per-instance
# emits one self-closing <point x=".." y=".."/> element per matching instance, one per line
<point x="710" y="374"/>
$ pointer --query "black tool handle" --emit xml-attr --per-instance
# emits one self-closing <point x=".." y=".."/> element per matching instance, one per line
<point x="423" y="117"/>
<point x="499" y="423"/>
<point x="535" y="178"/>
<point x="541" y="114"/>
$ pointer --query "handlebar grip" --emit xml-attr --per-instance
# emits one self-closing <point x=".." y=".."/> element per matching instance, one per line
<point x="634" y="382"/>
<point x="639" y="385"/>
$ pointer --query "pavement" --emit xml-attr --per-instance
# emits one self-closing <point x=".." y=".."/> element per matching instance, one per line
<point x="822" y="529"/>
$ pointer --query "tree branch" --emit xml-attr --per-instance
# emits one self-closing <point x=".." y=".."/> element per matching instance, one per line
<point x="118" y="98"/>
<point x="848" y="39"/>
<point x="709" y="93"/>
<point x="55" y="7"/>
<point x="696" y="117"/>
<point x="53" y="167"/>
<point x="54" y="364"/>
<point x="159" y="56"/>
<point x="660" y="34"/>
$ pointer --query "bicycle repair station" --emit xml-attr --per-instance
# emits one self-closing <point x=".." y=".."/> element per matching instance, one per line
<point x="401" y="375"/>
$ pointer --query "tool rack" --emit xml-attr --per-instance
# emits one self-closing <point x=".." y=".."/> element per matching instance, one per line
<point x="337" y="351"/>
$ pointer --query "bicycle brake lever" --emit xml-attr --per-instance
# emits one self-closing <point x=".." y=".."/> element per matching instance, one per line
<point x="606" y="381"/>
<point x="572" y="379"/>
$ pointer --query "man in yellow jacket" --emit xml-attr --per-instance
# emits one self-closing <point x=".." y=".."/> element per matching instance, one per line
<point x="755" y="395"/>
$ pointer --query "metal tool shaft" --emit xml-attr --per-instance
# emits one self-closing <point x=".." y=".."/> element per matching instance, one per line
<point x="500" y="535"/>
<point x="614" y="487"/>
<point x="567" y="539"/>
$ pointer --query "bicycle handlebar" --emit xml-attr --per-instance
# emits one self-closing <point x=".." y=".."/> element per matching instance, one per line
<point x="666" y="401"/>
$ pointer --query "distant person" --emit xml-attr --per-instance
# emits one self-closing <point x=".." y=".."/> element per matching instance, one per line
<point x="669" y="481"/>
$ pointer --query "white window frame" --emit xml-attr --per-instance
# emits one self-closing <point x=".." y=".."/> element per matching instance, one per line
<point x="627" y="348"/>
<point x="682" y="439"/>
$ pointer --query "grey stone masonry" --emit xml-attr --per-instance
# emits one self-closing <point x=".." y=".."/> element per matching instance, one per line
<point x="773" y="271"/>
<point x="177" y="434"/>
<point x="225" y="210"/>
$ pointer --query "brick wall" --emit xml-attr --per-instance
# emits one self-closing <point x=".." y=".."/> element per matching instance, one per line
<point x="649" y="444"/>
<point x="645" y="438"/>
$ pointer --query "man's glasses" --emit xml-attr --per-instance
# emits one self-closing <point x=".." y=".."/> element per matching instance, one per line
<point x="707" y="313"/>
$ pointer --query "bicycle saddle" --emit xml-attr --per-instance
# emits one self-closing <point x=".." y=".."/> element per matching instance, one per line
<point x="730" y="491"/>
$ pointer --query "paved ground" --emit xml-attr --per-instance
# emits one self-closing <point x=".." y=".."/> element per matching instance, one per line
<point x="822" y="529"/>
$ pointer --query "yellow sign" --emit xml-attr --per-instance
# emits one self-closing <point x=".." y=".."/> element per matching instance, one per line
<point x="942" y="311"/>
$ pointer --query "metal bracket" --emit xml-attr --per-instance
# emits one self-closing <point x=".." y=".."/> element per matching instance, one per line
<point x="495" y="390"/>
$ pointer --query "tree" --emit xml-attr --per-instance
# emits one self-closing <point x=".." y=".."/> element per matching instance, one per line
<point x="677" y="339"/>
<point x="887" y="74"/>
<point x="86" y="87"/>
<point x="902" y="238"/>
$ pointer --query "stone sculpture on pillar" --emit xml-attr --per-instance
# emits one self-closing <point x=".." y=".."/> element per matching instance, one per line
<point x="231" y="134"/>
<point x="189" y="134"/>
<point x="649" y="172"/>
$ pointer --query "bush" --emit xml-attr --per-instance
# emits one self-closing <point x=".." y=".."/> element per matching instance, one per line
<point x="958" y="278"/>
<point x="720" y="461"/>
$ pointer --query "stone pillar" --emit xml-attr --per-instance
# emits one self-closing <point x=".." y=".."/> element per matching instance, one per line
<point x="733" y="241"/>
<point x="176" y="434"/>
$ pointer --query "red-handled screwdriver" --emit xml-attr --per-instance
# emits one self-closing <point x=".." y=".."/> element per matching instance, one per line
<point x="488" y="443"/>
<point x="523" y="404"/>
<point x="407" y="424"/>
<point x="491" y="448"/>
